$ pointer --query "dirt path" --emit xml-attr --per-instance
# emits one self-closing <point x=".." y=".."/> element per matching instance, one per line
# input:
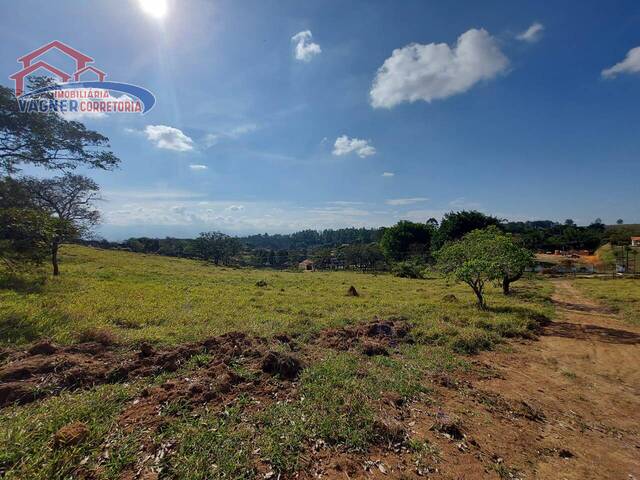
<point x="583" y="375"/>
<point x="563" y="407"/>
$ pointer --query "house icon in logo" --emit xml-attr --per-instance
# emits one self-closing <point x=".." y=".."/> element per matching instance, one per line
<point x="30" y="65"/>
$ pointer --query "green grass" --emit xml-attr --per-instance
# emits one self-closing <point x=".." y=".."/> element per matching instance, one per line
<point x="173" y="300"/>
<point x="337" y="401"/>
<point x="621" y="294"/>
<point x="26" y="436"/>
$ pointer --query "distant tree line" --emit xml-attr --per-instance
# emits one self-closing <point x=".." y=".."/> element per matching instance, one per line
<point x="404" y="244"/>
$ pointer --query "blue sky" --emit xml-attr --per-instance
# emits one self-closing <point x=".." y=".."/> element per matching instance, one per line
<point x="274" y="116"/>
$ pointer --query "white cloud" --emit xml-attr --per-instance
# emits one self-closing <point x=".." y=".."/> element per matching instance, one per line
<point x="532" y="34"/>
<point x="434" y="71"/>
<point x="630" y="64"/>
<point x="198" y="167"/>
<point x="388" y="174"/>
<point x="212" y="139"/>
<point x="159" y="194"/>
<point x="405" y="201"/>
<point x="343" y="203"/>
<point x="305" y="49"/>
<point x="169" y="138"/>
<point x="169" y="212"/>
<point x="345" y="145"/>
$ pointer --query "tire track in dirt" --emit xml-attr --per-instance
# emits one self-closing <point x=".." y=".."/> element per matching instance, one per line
<point x="584" y="374"/>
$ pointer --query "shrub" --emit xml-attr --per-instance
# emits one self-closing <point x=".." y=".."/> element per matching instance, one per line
<point x="408" y="270"/>
<point x="471" y="340"/>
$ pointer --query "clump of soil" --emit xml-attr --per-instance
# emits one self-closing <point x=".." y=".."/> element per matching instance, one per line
<point x="284" y="365"/>
<point x="352" y="292"/>
<point x="450" y="297"/>
<point x="98" y="335"/>
<point x="43" y="347"/>
<point x="371" y="349"/>
<point x="26" y="377"/>
<point x="447" y="425"/>
<point x="368" y="337"/>
<point x="45" y="369"/>
<point x="261" y="283"/>
<point x="71" y="434"/>
<point x="390" y="430"/>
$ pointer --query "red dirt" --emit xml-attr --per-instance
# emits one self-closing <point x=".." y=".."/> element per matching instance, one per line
<point x="561" y="407"/>
<point x="45" y="369"/>
<point x="70" y="435"/>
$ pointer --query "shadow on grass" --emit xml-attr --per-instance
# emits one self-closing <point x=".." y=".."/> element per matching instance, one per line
<point x="521" y="312"/>
<point x="17" y="329"/>
<point x="23" y="282"/>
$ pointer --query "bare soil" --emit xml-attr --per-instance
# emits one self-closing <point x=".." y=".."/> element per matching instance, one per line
<point x="564" y="406"/>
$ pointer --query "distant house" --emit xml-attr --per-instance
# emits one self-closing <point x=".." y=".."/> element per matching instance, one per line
<point x="635" y="241"/>
<point x="306" y="265"/>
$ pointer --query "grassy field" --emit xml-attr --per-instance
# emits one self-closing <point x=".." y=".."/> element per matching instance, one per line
<point x="174" y="300"/>
<point x="622" y="294"/>
<point x="335" y="403"/>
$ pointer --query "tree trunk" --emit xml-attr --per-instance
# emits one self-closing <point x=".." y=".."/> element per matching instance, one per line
<point x="506" y="282"/>
<point x="480" y="297"/>
<point x="54" y="259"/>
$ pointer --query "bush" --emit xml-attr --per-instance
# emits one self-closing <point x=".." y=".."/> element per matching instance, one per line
<point x="471" y="340"/>
<point x="408" y="270"/>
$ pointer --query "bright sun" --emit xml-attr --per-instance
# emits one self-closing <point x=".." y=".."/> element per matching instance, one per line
<point x="155" y="8"/>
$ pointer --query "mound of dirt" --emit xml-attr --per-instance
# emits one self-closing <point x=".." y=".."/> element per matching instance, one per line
<point x="284" y="365"/>
<point x="448" y="425"/>
<point x="381" y="333"/>
<point x="45" y="369"/>
<point x="371" y="349"/>
<point x="69" y="435"/>
<point x="43" y="347"/>
<point x="28" y="376"/>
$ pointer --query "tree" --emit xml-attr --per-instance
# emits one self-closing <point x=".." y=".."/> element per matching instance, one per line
<point x="216" y="247"/>
<point x="25" y="235"/>
<point x="69" y="200"/>
<point x="483" y="256"/>
<point x="619" y="221"/>
<point x="407" y="239"/>
<point x="47" y="140"/>
<point x="513" y="259"/>
<point x="455" y="225"/>
<point x="25" y="230"/>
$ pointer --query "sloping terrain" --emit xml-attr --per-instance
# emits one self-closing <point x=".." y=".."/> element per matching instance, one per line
<point x="443" y="391"/>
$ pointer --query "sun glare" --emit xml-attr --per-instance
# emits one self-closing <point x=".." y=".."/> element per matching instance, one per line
<point x="154" y="8"/>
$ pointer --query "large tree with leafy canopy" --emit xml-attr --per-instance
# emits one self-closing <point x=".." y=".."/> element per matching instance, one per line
<point x="216" y="247"/>
<point x="407" y="239"/>
<point x="455" y="225"/>
<point x="484" y="256"/>
<point x="512" y="257"/>
<point x="70" y="201"/>
<point x="47" y="140"/>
